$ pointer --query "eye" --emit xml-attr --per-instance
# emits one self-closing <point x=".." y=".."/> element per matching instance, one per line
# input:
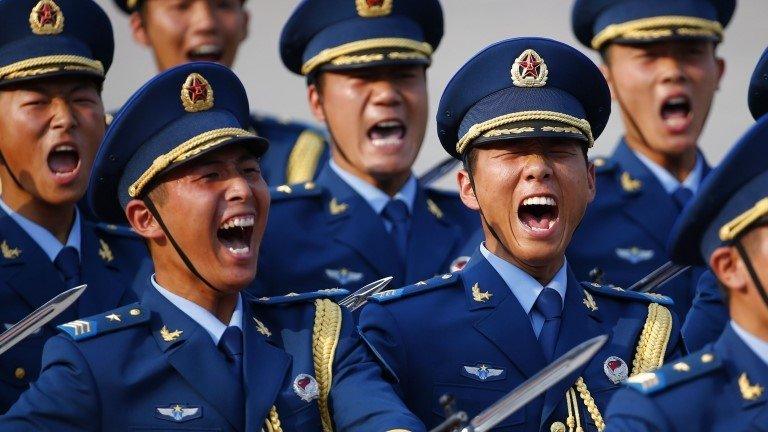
<point x="211" y="175"/>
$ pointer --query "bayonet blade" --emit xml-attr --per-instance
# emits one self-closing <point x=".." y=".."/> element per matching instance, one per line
<point x="536" y="385"/>
<point x="658" y="277"/>
<point x="360" y="297"/>
<point x="40" y="317"/>
<point x="437" y="171"/>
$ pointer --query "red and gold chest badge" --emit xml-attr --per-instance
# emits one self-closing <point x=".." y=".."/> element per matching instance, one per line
<point x="373" y="8"/>
<point x="196" y="94"/>
<point x="46" y="18"/>
<point x="529" y="70"/>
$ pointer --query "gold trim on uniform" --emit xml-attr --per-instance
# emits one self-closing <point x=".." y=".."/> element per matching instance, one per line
<point x="325" y="338"/>
<point x="304" y="158"/>
<point x="737" y="225"/>
<point x="357" y="59"/>
<point x="185" y="150"/>
<point x="272" y="422"/>
<point x="507" y="131"/>
<point x="50" y="64"/>
<point x="479" y="129"/>
<point x="46" y="18"/>
<point x="589" y="403"/>
<point x="196" y="94"/>
<point x="374" y="8"/>
<point x="329" y="54"/>
<point x="658" y="27"/>
<point x="629" y="184"/>
<point x="652" y="346"/>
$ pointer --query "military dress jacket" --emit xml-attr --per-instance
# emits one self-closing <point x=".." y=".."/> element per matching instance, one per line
<point x="708" y="315"/>
<point x="148" y="366"/>
<point x="28" y="279"/>
<point x="466" y="334"/>
<point x="624" y="230"/>
<point x="324" y="234"/>
<point x="718" y="389"/>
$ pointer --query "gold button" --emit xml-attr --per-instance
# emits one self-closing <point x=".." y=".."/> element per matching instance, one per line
<point x="19" y="373"/>
<point x="557" y="427"/>
<point x="706" y="358"/>
<point x="599" y="162"/>
<point x="309" y="185"/>
<point x="681" y="367"/>
<point x="134" y="312"/>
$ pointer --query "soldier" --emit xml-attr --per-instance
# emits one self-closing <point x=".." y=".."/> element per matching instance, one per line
<point x="54" y="55"/>
<point x="516" y="306"/>
<point x="709" y="315"/>
<point x="722" y="386"/>
<point x="180" y="31"/>
<point x="660" y="60"/>
<point x="194" y="351"/>
<point x="366" y="216"/>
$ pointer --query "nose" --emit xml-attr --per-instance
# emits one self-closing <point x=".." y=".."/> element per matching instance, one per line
<point x="239" y="189"/>
<point x="386" y="93"/>
<point x="63" y="116"/>
<point x="672" y="71"/>
<point x="203" y="17"/>
<point x="537" y="168"/>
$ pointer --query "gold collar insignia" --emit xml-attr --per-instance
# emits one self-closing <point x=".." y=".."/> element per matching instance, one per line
<point x="589" y="301"/>
<point x="480" y="296"/>
<point x="261" y="328"/>
<point x="9" y="252"/>
<point x="434" y="209"/>
<point x="105" y="252"/>
<point x="629" y="184"/>
<point x="170" y="336"/>
<point x="748" y="390"/>
<point x="337" y="208"/>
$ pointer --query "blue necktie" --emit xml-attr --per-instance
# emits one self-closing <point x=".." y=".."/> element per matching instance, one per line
<point x="68" y="264"/>
<point x="396" y="212"/>
<point x="231" y="344"/>
<point x="681" y="196"/>
<point x="550" y="305"/>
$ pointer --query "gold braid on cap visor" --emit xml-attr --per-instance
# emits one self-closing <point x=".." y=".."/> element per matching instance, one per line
<point x="479" y="129"/>
<point x="737" y="225"/>
<point x="346" y="50"/>
<point x="184" y="151"/>
<point x="659" y="27"/>
<point x="50" y="64"/>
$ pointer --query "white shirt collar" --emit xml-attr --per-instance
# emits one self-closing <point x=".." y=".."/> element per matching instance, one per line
<point x="668" y="181"/>
<point x="207" y="320"/>
<point x="47" y="241"/>
<point x="523" y="285"/>
<point x="375" y="197"/>
<point x="757" y="345"/>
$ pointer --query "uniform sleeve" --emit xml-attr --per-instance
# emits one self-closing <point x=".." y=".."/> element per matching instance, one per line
<point x="708" y="315"/>
<point x="63" y="398"/>
<point x="361" y="399"/>
<point x="631" y="411"/>
<point x="380" y="332"/>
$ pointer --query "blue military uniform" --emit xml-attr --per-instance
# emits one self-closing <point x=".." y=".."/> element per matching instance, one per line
<point x="34" y="32"/>
<point x="297" y="152"/>
<point x="722" y="386"/>
<point x="491" y="332"/>
<point x="624" y="232"/>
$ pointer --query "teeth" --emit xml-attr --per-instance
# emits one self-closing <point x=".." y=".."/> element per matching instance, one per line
<point x="206" y="50"/>
<point x="239" y="251"/>
<point x="64" y="148"/>
<point x="548" y="201"/>
<point x="678" y="100"/>
<point x="389" y="124"/>
<point x="238" y="221"/>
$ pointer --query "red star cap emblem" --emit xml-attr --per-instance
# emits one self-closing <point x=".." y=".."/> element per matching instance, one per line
<point x="198" y="90"/>
<point x="46" y="15"/>
<point x="374" y="2"/>
<point x="529" y="65"/>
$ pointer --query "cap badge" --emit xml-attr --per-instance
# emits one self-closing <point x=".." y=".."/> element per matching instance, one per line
<point x="615" y="369"/>
<point x="196" y="94"/>
<point x="46" y="18"/>
<point x="306" y="387"/>
<point x="529" y="70"/>
<point x="373" y="8"/>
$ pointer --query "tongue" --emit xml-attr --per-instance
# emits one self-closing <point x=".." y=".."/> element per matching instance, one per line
<point x="532" y="221"/>
<point x="63" y="162"/>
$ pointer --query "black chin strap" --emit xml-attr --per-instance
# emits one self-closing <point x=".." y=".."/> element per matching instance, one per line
<point x="152" y="209"/>
<point x="10" y="171"/>
<point x="752" y="272"/>
<point x="629" y="116"/>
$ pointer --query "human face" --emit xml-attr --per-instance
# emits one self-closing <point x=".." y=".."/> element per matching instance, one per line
<point x="665" y="90"/>
<point x="182" y="31"/>
<point x="50" y="130"/>
<point x="533" y="192"/>
<point x="216" y="209"/>
<point x="377" y="117"/>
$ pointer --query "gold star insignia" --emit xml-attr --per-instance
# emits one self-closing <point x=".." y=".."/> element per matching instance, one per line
<point x="748" y="390"/>
<point x="170" y="336"/>
<point x="105" y="252"/>
<point x="113" y="317"/>
<point x="336" y="207"/>
<point x="9" y="252"/>
<point x="480" y="296"/>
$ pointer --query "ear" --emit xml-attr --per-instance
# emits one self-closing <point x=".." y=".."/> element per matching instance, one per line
<point x="729" y="269"/>
<point x="138" y="30"/>
<point x="315" y="100"/>
<point x="246" y="21"/>
<point x="142" y="221"/>
<point x="606" y="70"/>
<point x="720" y="70"/>
<point x="591" y="180"/>
<point x="466" y="191"/>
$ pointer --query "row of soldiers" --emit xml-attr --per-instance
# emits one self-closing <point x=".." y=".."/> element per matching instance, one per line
<point x="164" y="214"/>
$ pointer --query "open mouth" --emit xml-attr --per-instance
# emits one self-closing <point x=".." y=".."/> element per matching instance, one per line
<point x="64" y="160"/>
<point x="387" y="133"/>
<point x="676" y="112"/>
<point x="538" y="213"/>
<point x="207" y="52"/>
<point x="235" y="234"/>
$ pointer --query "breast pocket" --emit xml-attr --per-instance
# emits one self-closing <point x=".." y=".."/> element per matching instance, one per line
<point x="473" y="400"/>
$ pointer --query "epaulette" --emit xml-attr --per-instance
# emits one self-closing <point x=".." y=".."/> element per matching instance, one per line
<point x="107" y="322"/>
<point x="331" y="293"/>
<point x="284" y="192"/>
<point x="678" y="372"/>
<point x="603" y="165"/>
<point x="614" y="291"/>
<point x="418" y="287"/>
<point x="119" y="230"/>
<point x="265" y="121"/>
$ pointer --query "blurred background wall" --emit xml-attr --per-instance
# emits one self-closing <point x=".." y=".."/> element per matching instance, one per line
<point x="470" y="26"/>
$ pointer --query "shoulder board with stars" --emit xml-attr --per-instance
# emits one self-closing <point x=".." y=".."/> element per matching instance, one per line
<point x="419" y="287"/>
<point x="603" y="165"/>
<point x="331" y="293"/>
<point x="300" y="190"/>
<point x="106" y="322"/>
<point x="614" y="291"/>
<point x="675" y="373"/>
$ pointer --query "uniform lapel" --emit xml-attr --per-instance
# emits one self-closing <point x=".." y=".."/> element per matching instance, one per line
<point x="646" y="202"/>
<point x="101" y="271"/>
<point x="265" y="367"/>
<point x="502" y="320"/>
<point x="741" y="359"/>
<point x="431" y="239"/>
<point x="194" y="356"/>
